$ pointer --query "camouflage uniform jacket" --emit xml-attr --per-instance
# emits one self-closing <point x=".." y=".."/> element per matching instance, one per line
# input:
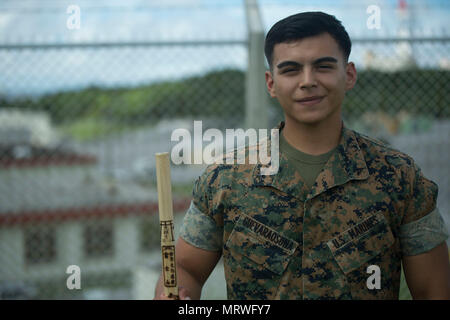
<point x="280" y="240"/>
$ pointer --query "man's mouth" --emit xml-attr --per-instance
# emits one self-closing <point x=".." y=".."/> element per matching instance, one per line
<point x="309" y="101"/>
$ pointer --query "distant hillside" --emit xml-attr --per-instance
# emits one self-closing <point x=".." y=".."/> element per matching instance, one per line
<point x="419" y="92"/>
<point x="221" y="94"/>
<point x="213" y="93"/>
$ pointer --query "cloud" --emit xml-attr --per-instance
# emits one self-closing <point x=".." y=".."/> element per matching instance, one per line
<point x="6" y="20"/>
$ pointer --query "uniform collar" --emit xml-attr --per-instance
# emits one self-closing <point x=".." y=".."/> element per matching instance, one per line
<point x="345" y="164"/>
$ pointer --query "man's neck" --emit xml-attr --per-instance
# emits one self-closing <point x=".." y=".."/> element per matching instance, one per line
<point x="312" y="139"/>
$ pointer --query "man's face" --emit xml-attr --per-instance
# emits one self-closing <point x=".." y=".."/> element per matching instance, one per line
<point x="310" y="78"/>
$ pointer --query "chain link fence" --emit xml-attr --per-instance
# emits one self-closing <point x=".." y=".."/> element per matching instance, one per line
<point x="80" y="124"/>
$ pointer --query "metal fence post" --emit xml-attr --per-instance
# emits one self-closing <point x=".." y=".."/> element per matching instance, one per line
<point x="256" y="96"/>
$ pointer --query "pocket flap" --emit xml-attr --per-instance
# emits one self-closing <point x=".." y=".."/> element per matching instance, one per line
<point x="261" y="244"/>
<point x="359" y="244"/>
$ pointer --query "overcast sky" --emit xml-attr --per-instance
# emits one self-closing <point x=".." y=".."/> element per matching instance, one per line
<point x="37" y="21"/>
<point x="31" y="20"/>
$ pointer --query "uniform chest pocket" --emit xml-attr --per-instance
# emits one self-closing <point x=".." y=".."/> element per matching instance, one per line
<point x="253" y="240"/>
<point x="359" y="244"/>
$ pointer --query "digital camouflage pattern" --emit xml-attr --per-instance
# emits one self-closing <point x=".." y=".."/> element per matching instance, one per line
<point x="281" y="240"/>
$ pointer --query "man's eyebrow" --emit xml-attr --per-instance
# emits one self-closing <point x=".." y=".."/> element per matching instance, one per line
<point x="325" y="59"/>
<point x="296" y="64"/>
<point x="288" y="63"/>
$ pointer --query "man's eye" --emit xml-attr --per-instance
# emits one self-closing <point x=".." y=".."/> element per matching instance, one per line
<point x="325" y="67"/>
<point x="288" y="70"/>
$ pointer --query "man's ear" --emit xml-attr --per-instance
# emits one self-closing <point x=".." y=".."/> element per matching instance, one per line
<point x="351" y="76"/>
<point x="269" y="83"/>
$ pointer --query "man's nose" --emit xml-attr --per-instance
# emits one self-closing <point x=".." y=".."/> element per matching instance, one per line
<point x="308" y="79"/>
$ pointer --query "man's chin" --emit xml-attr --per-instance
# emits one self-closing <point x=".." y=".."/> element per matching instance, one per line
<point x="313" y="118"/>
<point x="308" y="121"/>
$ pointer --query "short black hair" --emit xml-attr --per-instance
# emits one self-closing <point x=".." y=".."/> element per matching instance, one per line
<point x="303" y="25"/>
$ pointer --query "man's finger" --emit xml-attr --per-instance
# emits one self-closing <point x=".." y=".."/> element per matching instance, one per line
<point x="184" y="294"/>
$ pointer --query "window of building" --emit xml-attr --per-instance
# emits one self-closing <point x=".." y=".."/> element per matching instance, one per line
<point x="40" y="244"/>
<point x="149" y="234"/>
<point x="98" y="239"/>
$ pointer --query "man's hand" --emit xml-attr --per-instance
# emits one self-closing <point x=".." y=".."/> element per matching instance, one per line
<point x="183" y="294"/>
<point x="194" y="265"/>
<point x="428" y="274"/>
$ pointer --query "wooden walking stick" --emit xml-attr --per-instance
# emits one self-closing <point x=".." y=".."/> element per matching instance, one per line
<point x="166" y="222"/>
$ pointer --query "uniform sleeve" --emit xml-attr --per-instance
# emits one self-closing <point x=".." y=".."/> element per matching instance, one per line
<point x="199" y="228"/>
<point x="423" y="235"/>
<point x="422" y="228"/>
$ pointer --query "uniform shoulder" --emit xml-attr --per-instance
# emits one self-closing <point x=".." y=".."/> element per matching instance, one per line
<point x="235" y="164"/>
<point x="377" y="149"/>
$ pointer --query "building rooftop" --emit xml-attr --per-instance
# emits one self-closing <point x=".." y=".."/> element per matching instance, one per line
<point x="25" y="155"/>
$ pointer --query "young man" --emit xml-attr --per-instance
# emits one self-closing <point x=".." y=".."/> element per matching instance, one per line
<point x="342" y="212"/>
